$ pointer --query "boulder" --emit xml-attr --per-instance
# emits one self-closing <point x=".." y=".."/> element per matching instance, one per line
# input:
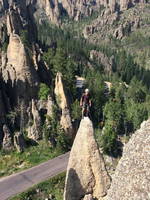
<point x="86" y="171"/>
<point x="132" y="176"/>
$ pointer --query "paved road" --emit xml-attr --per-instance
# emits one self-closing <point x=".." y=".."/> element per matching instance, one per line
<point x="21" y="181"/>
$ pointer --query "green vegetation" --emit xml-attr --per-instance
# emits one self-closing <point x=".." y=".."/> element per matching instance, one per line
<point x="125" y="107"/>
<point x="24" y="36"/>
<point x="54" y="133"/>
<point x="50" y="188"/>
<point x="44" y="91"/>
<point x="114" y="113"/>
<point x="54" y="143"/>
<point x="12" y="162"/>
<point x="76" y="110"/>
<point x="95" y="83"/>
<point x="108" y="140"/>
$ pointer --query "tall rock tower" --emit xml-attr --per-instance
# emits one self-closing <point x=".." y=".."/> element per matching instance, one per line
<point x="86" y="172"/>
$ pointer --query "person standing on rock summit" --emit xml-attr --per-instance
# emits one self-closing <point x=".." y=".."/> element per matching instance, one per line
<point x="85" y="103"/>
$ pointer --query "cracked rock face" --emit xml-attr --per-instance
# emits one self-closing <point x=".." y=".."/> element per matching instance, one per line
<point x="132" y="175"/>
<point x="86" y="172"/>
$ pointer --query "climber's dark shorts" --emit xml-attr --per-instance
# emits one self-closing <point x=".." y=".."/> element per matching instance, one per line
<point x="86" y="107"/>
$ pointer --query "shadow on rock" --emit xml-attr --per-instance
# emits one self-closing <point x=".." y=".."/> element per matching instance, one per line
<point x="74" y="189"/>
<point x="30" y="142"/>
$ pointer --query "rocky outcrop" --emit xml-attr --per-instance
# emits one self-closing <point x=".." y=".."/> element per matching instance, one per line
<point x="131" y="179"/>
<point x="19" y="69"/>
<point x="124" y="4"/>
<point x="17" y="66"/>
<point x="60" y="92"/>
<point x="112" y="5"/>
<point x="80" y="8"/>
<point x="86" y="172"/>
<point x="7" y="139"/>
<point x="54" y="9"/>
<point x="102" y="59"/>
<point x="46" y="105"/>
<point x="34" y="131"/>
<point x="101" y="25"/>
<point x="62" y="102"/>
<point x="51" y="9"/>
<point x="14" y="23"/>
<point x="116" y="21"/>
<point x="19" y="76"/>
<point x="3" y="5"/>
<point x="40" y="112"/>
<point x="19" y="142"/>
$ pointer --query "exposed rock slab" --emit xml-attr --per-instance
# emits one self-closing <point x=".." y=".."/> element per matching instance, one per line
<point x="86" y="172"/>
<point x="132" y="175"/>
